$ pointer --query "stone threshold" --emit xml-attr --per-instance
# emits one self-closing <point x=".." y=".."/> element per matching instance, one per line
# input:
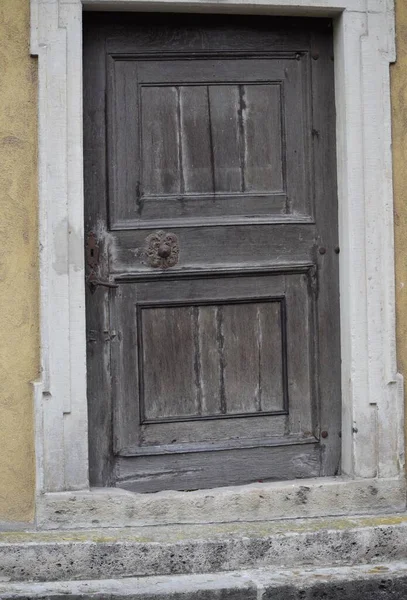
<point x="192" y="549"/>
<point x="365" y="582"/>
<point x="318" y="497"/>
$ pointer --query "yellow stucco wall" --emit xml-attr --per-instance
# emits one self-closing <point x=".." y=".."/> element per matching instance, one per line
<point x="19" y="337"/>
<point x="399" y="114"/>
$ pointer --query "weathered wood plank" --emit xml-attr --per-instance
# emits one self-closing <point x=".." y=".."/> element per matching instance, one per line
<point x="209" y="469"/>
<point x="297" y="148"/>
<point x="224" y="107"/>
<point x="160" y="140"/>
<point x="168" y="362"/>
<point x="270" y="356"/>
<point x="196" y="143"/>
<point x="218" y="246"/>
<point x="210" y="290"/>
<point x="260" y="112"/>
<point x="210" y="431"/>
<point x="229" y="70"/>
<point x="124" y="165"/>
<point x="174" y="210"/>
<point x="97" y="305"/>
<point x="300" y="335"/>
<point x="328" y="368"/>
<point x="209" y="370"/>
<point x="239" y="335"/>
<point x="202" y="33"/>
<point x="124" y="372"/>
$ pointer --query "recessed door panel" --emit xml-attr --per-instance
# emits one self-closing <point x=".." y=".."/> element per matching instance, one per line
<point x="209" y="139"/>
<point x="193" y="368"/>
<point x="232" y="360"/>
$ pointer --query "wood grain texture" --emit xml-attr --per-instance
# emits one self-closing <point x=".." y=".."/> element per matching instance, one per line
<point x="205" y="369"/>
<point x="220" y="356"/>
<point x="328" y="372"/>
<point x="125" y="376"/>
<point x="261" y="125"/>
<point x="123" y="132"/>
<point x="225" y="368"/>
<point x="160" y="140"/>
<point x="196" y="142"/>
<point x="99" y="394"/>
<point x="300" y="332"/>
<point x="211" y="469"/>
<point x="222" y="246"/>
<point x="168" y="363"/>
<point x="247" y="364"/>
<point x="208" y="364"/>
<point x="178" y="435"/>
<point x="208" y="138"/>
<point x="225" y="137"/>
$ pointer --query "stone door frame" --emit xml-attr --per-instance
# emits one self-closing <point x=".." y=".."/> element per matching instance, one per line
<point x="372" y="391"/>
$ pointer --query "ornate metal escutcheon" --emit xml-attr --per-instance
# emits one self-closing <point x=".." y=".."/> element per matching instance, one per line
<point x="162" y="249"/>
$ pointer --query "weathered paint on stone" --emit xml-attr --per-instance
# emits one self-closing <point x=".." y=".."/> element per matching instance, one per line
<point x="19" y="318"/>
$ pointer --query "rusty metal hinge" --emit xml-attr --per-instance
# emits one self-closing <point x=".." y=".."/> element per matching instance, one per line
<point x="94" y="282"/>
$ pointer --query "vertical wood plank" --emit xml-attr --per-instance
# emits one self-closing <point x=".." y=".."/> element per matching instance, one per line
<point x="160" y="140"/>
<point x="297" y="147"/>
<point x="210" y="364"/>
<point x="299" y="350"/>
<point x="261" y="122"/>
<point x="168" y="357"/>
<point x="99" y="394"/>
<point x="196" y="143"/>
<point x="270" y="355"/>
<point x="239" y="332"/>
<point x="124" y="372"/>
<point x="328" y="379"/>
<point x="123" y="140"/>
<point x="224" y="108"/>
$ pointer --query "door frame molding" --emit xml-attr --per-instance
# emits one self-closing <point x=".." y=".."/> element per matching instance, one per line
<point x="372" y="390"/>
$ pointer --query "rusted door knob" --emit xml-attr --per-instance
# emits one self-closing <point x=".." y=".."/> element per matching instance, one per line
<point x="164" y="251"/>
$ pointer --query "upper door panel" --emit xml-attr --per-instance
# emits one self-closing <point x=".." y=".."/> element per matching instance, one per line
<point x="209" y="140"/>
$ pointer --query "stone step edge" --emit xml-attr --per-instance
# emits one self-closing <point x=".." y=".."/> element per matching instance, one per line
<point x="361" y="581"/>
<point x="248" y="546"/>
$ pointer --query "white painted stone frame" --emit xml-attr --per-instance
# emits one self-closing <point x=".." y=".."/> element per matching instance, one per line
<point x="372" y="391"/>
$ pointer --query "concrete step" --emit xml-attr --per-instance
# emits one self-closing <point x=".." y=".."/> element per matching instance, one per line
<point x="367" y="582"/>
<point x="192" y="549"/>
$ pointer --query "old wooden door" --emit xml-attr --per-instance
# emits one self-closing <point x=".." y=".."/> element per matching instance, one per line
<point x="212" y="258"/>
